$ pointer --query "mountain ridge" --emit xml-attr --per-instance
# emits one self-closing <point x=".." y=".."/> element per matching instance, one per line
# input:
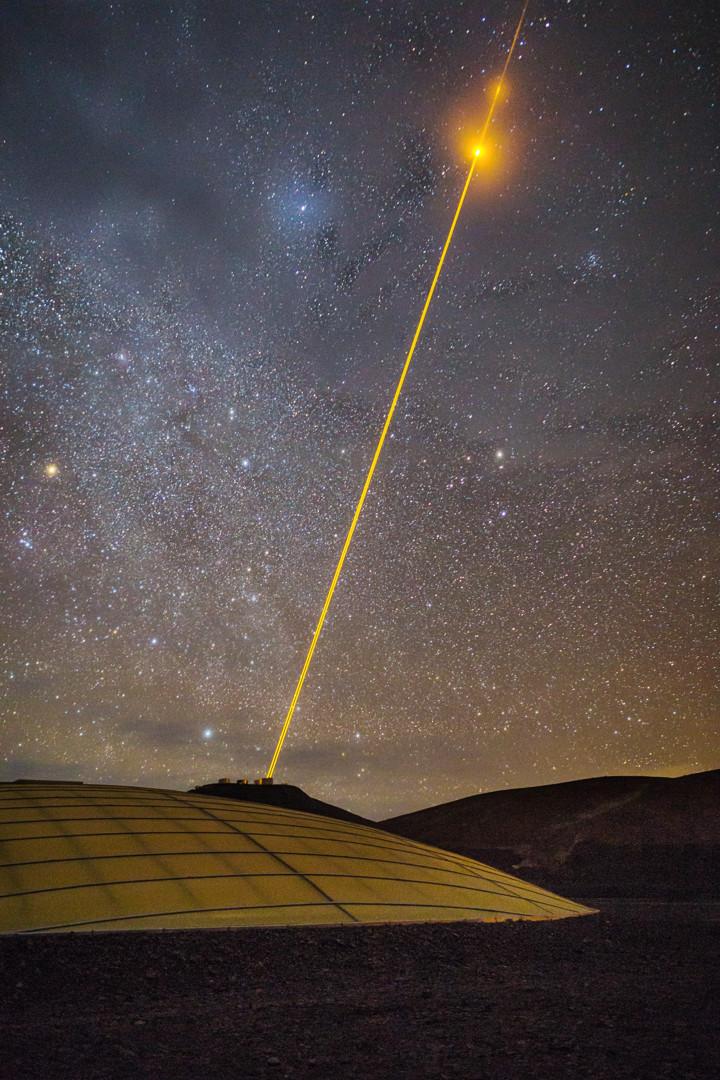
<point x="613" y="835"/>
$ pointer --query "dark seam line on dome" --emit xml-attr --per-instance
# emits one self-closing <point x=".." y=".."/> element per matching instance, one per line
<point x="99" y="795"/>
<point x="85" y="793"/>
<point x="185" y="911"/>
<point x="393" y="842"/>
<point x="508" y="891"/>
<point x="43" y="804"/>
<point x="349" y="830"/>
<point x="275" y="907"/>
<point x="236" y="806"/>
<point x="305" y="877"/>
<point x="494" y="877"/>
<point x="247" y="809"/>
<point x="175" y="817"/>
<point x="255" y="817"/>
<point x="78" y="795"/>
<point x="258" y="814"/>
<point x="212" y="853"/>
<point x="491" y="873"/>
<point x="282" y="862"/>
<point x="110" y="817"/>
<point x="421" y="881"/>
<point x="116" y="832"/>
<point x="285" y="874"/>
<point x="194" y="817"/>
<point x="465" y="872"/>
<point x="226" y="851"/>
<point x="138" y="855"/>
<point x="288" y="872"/>
<point x="402" y="845"/>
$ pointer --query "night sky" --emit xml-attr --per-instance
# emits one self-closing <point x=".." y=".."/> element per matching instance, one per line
<point x="218" y="221"/>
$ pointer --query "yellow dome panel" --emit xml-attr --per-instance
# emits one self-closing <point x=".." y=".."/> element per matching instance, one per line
<point x="90" y="857"/>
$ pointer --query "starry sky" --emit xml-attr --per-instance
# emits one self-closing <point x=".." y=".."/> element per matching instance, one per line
<point x="218" y="221"/>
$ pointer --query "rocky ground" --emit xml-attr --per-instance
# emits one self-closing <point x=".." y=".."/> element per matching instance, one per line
<point x="632" y="992"/>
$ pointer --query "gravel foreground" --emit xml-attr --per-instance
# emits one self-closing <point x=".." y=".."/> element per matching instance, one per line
<point x="633" y="992"/>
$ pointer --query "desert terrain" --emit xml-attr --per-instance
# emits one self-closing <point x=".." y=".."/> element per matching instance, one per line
<point x="631" y="992"/>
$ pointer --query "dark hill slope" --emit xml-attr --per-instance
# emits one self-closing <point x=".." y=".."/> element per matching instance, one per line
<point x="288" y="796"/>
<point x="608" y="836"/>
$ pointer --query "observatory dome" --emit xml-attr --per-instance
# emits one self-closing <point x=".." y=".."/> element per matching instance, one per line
<point x="87" y="857"/>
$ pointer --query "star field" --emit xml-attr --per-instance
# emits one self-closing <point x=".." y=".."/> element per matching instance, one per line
<point x="217" y="226"/>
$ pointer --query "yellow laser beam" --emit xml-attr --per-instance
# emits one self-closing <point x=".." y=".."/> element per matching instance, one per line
<point x="479" y="152"/>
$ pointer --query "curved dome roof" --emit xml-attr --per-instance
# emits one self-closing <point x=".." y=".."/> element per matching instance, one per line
<point x="86" y="857"/>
